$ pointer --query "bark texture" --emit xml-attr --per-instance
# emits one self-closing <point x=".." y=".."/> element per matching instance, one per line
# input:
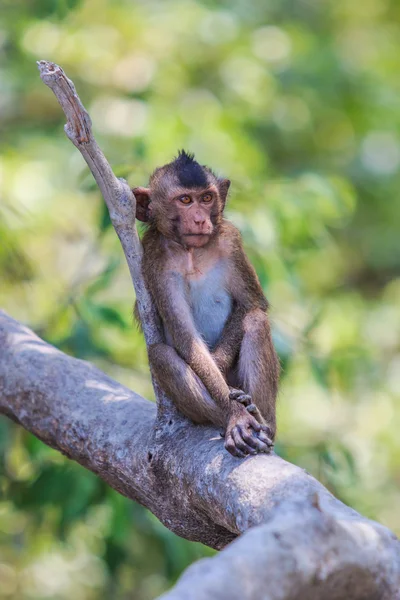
<point x="303" y="543"/>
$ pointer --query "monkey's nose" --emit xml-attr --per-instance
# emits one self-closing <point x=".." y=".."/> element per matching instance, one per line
<point x="199" y="220"/>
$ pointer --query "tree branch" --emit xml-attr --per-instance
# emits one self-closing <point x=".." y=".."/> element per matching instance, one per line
<point x="303" y="554"/>
<point x="120" y="201"/>
<point x="305" y="544"/>
<point x="304" y="537"/>
<point x="117" y="194"/>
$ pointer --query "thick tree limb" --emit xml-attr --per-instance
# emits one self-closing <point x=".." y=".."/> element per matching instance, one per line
<point x="305" y="540"/>
<point x="303" y="554"/>
<point x="305" y="544"/>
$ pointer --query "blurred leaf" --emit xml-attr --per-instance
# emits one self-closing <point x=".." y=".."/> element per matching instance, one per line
<point x="81" y="342"/>
<point x="110" y="315"/>
<point x="15" y="266"/>
<point x="104" y="279"/>
<point x="320" y="370"/>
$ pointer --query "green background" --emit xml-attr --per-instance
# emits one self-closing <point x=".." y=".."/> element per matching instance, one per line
<point x="298" y="103"/>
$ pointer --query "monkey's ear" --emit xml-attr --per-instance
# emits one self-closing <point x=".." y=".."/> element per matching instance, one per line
<point x="223" y="186"/>
<point x="142" y="196"/>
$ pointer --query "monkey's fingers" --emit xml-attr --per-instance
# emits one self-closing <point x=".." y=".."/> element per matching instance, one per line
<point x="263" y="434"/>
<point x="232" y="449"/>
<point x="253" y="410"/>
<point x="267" y="430"/>
<point x="240" y="396"/>
<point x="266" y="441"/>
<point x="240" y="443"/>
<point x="251" y="438"/>
<point x="260" y="441"/>
<point x="244" y="399"/>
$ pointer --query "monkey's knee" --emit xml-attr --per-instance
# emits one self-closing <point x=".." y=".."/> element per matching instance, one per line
<point x="161" y="355"/>
<point x="256" y="322"/>
<point x="259" y="366"/>
<point x="257" y="343"/>
<point x="168" y="368"/>
<point x="182" y="385"/>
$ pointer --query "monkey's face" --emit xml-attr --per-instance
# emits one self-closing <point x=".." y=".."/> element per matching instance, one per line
<point x="184" y="202"/>
<point x="192" y="215"/>
<point x="189" y="216"/>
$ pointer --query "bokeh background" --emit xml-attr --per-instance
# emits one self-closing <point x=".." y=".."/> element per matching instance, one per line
<point x="298" y="103"/>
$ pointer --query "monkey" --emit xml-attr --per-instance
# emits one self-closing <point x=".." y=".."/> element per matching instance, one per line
<point x="216" y="362"/>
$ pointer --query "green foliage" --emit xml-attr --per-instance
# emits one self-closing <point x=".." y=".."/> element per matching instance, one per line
<point x="296" y="102"/>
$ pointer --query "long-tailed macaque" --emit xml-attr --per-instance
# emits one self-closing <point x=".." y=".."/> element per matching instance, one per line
<point x="217" y="363"/>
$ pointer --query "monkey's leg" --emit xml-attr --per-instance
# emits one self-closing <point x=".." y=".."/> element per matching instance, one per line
<point x="258" y="366"/>
<point x="191" y="398"/>
<point x="183" y="386"/>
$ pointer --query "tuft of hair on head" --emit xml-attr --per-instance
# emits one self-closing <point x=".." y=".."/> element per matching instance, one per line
<point x="189" y="172"/>
<point x="184" y="158"/>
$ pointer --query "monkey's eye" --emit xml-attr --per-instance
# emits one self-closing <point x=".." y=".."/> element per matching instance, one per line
<point x="185" y="199"/>
<point x="207" y="198"/>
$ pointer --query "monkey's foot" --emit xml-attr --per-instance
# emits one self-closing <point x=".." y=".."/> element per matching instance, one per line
<point x="244" y="436"/>
<point x="263" y="438"/>
<point x="267" y="445"/>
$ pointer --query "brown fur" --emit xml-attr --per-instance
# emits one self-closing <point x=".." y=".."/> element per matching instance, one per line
<point x="195" y="376"/>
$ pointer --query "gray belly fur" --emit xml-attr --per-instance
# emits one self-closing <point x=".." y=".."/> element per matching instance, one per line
<point x="211" y="304"/>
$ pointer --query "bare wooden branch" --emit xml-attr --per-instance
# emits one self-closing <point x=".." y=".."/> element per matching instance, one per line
<point x="117" y="194"/>
<point x="298" y="555"/>
<point x="120" y="201"/>
<point x="194" y="487"/>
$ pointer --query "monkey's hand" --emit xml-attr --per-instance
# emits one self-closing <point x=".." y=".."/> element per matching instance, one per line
<point x="244" y="435"/>
<point x="245" y="399"/>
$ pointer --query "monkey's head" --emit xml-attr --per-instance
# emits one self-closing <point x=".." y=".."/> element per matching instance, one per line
<point x="184" y="201"/>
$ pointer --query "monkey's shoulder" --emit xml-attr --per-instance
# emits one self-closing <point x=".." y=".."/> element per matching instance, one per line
<point x="243" y="275"/>
<point x="229" y="239"/>
<point x="228" y="231"/>
<point x="151" y="240"/>
<point x="154" y="255"/>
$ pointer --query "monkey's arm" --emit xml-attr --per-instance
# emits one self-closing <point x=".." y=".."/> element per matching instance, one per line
<point x="247" y="294"/>
<point x="167" y="288"/>
<point x="169" y="294"/>
<point x="228" y="346"/>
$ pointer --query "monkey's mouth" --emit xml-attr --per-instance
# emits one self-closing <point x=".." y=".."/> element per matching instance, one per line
<point x="197" y="240"/>
<point x="196" y="234"/>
